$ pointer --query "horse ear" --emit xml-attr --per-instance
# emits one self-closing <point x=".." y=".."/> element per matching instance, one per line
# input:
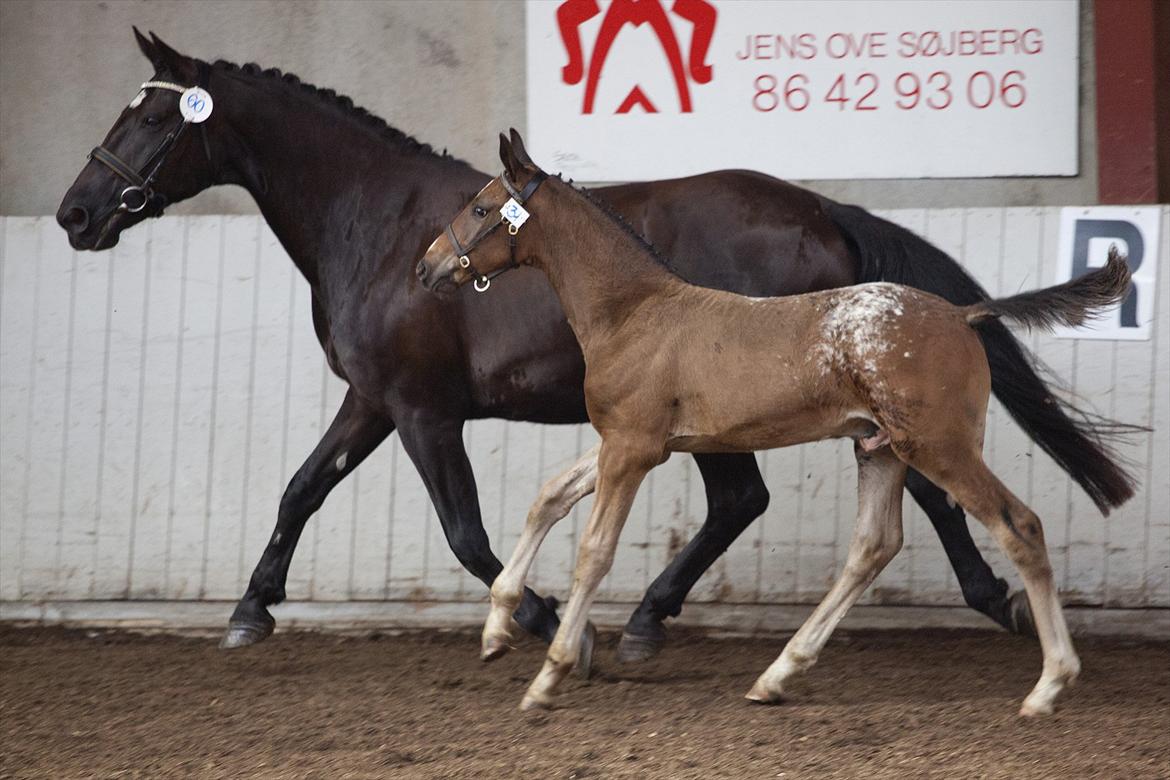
<point x="519" y="150"/>
<point x="512" y="166"/>
<point x="166" y="58"/>
<point x="147" y="48"/>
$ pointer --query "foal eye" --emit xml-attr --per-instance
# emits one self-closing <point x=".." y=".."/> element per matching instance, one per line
<point x="150" y="120"/>
<point x="479" y="211"/>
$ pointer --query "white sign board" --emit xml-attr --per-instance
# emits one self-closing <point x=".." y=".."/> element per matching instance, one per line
<point x="644" y="89"/>
<point x="1085" y="237"/>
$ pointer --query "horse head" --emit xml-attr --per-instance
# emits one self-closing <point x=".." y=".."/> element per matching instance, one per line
<point x="156" y="153"/>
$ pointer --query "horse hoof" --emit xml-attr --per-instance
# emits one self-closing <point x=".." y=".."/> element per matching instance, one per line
<point x="1021" y="614"/>
<point x="242" y="633"/>
<point x="494" y="648"/>
<point x="530" y="702"/>
<point x="633" y="648"/>
<point x="584" y="665"/>
<point x="761" y="694"/>
<point x="1035" y="710"/>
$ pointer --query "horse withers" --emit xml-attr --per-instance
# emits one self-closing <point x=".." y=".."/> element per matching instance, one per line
<point x="672" y="367"/>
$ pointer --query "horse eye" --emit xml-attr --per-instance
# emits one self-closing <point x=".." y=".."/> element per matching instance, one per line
<point x="151" y="120"/>
<point x="479" y="211"/>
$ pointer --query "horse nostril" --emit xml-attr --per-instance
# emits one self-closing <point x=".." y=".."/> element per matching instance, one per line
<point x="75" y="219"/>
<point x="421" y="269"/>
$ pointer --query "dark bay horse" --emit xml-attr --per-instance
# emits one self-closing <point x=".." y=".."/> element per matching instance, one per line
<point x="675" y="367"/>
<point x="355" y="204"/>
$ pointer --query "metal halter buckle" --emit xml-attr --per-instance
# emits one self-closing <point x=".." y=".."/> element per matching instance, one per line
<point x="464" y="261"/>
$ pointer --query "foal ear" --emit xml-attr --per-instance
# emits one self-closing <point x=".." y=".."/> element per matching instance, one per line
<point x="512" y="166"/>
<point x="519" y="150"/>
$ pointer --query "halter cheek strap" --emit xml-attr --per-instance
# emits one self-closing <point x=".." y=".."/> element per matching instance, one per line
<point x="484" y="281"/>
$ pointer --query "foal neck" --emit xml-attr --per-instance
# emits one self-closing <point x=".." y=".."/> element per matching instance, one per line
<point x="600" y="269"/>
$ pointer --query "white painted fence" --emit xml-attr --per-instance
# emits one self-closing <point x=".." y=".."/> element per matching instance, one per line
<point x="156" y="398"/>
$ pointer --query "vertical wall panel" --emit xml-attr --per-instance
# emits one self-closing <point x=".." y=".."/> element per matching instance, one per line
<point x="156" y="399"/>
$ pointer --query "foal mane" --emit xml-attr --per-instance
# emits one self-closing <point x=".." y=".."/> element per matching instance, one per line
<point x="335" y="100"/>
<point x="608" y="211"/>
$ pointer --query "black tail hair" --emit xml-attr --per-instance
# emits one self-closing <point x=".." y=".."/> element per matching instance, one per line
<point x="1072" y="303"/>
<point x="1078" y="440"/>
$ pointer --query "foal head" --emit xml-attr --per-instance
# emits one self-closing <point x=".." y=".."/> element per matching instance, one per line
<point x="483" y="241"/>
<point x="152" y="155"/>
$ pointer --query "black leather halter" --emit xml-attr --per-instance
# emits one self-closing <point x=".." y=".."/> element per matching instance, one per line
<point x="484" y="281"/>
<point x="141" y="192"/>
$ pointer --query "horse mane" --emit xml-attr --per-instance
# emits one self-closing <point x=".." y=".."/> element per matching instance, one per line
<point x="621" y="222"/>
<point x="343" y="102"/>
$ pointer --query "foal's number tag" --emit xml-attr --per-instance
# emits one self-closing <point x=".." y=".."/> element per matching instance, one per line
<point x="514" y="213"/>
<point x="195" y="105"/>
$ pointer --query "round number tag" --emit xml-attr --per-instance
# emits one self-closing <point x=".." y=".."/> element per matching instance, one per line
<point x="195" y="105"/>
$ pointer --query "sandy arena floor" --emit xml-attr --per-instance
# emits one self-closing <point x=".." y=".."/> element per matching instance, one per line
<point x="906" y="704"/>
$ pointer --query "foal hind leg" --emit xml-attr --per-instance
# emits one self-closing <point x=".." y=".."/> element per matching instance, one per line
<point x="556" y="498"/>
<point x="1018" y="531"/>
<point x="876" y="540"/>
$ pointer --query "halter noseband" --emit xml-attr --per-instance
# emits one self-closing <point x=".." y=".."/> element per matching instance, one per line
<point x="482" y="281"/>
<point x="141" y="193"/>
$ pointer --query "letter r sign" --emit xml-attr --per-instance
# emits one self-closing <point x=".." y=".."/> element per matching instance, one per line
<point x="1085" y="237"/>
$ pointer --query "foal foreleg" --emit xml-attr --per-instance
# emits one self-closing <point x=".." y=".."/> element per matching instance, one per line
<point x="620" y="470"/>
<point x="876" y="540"/>
<point x="556" y="498"/>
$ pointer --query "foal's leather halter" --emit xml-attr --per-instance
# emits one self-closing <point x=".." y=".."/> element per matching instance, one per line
<point x="141" y="192"/>
<point x="482" y="281"/>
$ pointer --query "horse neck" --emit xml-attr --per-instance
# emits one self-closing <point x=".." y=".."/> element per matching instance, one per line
<point x="316" y="171"/>
<point x="599" y="271"/>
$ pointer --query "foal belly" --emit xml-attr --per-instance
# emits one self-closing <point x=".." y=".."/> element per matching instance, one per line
<point x="750" y="433"/>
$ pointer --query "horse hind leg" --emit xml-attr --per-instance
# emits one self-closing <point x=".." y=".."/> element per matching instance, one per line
<point x="1018" y="531"/>
<point x="876" y="540"/>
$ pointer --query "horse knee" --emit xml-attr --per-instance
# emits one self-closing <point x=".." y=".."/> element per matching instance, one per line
<point x="874" y="552"/>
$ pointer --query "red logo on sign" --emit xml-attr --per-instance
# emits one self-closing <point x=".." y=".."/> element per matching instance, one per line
<point x="573" y="13"/>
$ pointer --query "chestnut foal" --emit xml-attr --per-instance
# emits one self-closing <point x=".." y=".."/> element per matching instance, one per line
<point x="675" y="367"/>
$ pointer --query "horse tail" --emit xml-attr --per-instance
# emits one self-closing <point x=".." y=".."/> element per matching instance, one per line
<point x="1072" y="303"/>
<point x="1080" y="441"/>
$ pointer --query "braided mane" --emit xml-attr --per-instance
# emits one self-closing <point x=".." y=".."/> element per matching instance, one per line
<point x="332" y="98"/>
<point x="621" y="222"/>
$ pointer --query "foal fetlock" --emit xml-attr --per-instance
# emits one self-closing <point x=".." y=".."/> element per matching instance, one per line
<point x="1042" y="699"/>
<point x="497" y="629"/>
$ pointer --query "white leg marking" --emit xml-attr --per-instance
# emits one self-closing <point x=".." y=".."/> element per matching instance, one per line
<point x="876" y="540"/>
<point x="556" y="498"/>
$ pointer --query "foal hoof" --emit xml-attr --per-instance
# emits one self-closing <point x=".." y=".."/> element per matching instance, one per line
<point x="531" y="702"/>
<point x="1036" y="710"/>
<point x="242" y="633"/>
<point x="493" y="648"/>
<point x="633" y="648"/>
<point x="1021" y="614"/>
<point x="584" y="666"/>
<point x="761" y="694"/>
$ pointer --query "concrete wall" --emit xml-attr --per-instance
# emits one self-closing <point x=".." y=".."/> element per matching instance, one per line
<point x="67" y="69"/>
<point x="156" y="398"/>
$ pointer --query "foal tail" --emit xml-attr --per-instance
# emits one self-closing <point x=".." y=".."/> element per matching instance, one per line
<point x="1080" y="441"/>
<point x="1072" y="303"/>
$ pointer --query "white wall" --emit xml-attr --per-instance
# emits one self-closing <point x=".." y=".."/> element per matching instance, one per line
<point x="156" y="398"/>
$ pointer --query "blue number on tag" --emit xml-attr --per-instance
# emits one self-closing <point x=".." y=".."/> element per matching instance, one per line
<point x="195" y="103"/>
<point x="513" y="212"/>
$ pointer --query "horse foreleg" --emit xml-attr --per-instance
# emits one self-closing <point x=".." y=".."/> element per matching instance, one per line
<point x="736" y="496"/>
<point x="354" y="433"/>
<point x="876" y="540"/>
<point x="556" y="498"/>
<point x="435" y="445"/>
<point x="621" y="467"/>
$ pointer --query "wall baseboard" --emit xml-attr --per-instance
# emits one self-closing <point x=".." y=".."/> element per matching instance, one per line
<point x="366" y="616"/>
